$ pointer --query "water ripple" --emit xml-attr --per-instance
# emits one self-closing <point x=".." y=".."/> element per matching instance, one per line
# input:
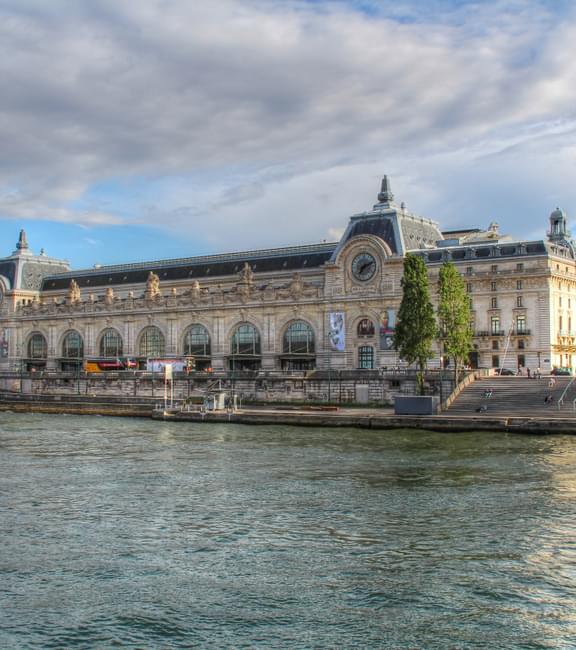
<point x="130" y="533"/>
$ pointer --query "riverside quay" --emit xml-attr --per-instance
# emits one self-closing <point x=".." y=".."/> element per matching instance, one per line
<point x="299" y="321"/>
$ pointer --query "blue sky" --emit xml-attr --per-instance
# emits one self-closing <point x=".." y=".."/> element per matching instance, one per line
<point x="146" y="130"/>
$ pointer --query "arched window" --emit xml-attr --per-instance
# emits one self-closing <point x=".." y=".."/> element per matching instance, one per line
<point x="197" y="342"/>
<point x="111" y="343"/>
<point x="366" y="357"/>
<point x="365" y="327"/>
<point x="245" y="340"/>
<point x="152" y="343"/>
<point x="298" y="339"/>
<point x="72" y="346"/>
<point x="37" y="347"/>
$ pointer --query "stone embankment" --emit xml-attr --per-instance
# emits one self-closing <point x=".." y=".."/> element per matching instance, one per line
<point x="514" y="405"/>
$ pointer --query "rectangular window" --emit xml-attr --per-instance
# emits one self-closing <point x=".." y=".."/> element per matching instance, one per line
<point x="494" y="303"/>
<point x="521" y="324"/>
<point x="519" y="266"/>
<point x="493" y="286"/>
<point x="495" y="345"/>
<point x="495" y="325"/>
<point x="521" y="361"/>
<point x="519" y="301"/>
<point x="518" y="284"/>
<point x="494" y="268"/>
<point x="469" y="287"/>
<point x="468" y="270"/>
<point x="366" y="357"/>
<point x="495" y="361"/>
<point x="560" y="301"/>
<point x="520" y="344"/>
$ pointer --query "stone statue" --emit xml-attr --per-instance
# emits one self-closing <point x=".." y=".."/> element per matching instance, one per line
<point x="109" y="297"/>
<point x="152" y="286"/>
<point x="246" y="274"/>
<point x="74" y="293"/>
<point x="195" y="291"/>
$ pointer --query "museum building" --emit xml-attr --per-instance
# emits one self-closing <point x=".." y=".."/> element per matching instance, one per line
<point x="298" y="308"/>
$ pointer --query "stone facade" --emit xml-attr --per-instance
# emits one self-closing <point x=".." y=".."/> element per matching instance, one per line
<point x="277" y="310"/>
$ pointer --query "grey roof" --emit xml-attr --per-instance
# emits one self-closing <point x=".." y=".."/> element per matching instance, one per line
<point x="294" y="258"/>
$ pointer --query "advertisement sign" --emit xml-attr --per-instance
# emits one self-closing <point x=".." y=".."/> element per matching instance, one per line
<point x="387" y="325"/>
<point x="160" y="365"/>
<point x="336" y="333"/>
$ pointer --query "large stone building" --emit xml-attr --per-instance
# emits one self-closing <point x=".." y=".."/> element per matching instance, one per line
<point x="323" y="306"/>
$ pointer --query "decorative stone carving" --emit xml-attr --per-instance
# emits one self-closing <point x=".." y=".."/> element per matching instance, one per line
<point x="246" y="274"/>
<point x="152" y="286"/>
<point x="109" y="296"/>
<point x="74" y="293"/>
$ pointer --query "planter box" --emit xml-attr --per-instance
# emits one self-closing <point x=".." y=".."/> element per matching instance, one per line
<point x="416" y="405"/>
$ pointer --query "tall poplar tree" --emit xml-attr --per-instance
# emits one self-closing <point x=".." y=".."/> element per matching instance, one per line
<point x="454" y="316"/>
<point x="416" y="324"/>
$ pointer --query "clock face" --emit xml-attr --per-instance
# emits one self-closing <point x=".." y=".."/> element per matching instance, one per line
<point x="363" y="266"/>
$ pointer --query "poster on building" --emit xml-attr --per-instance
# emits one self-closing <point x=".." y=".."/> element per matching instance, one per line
<point x="4" y="342"/>
<point x="336" y="333"/>
<point x="387" y="325"/>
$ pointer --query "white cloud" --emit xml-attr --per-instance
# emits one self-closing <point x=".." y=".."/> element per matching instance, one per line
<point x="257" y="122"/>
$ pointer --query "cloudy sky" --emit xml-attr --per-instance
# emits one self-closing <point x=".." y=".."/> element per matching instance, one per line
<point x="148" y="129"/>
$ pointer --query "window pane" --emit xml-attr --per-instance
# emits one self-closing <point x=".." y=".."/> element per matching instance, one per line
<point x="111" y="344"/>
<point x="197" y="341"/>
<point x="366" y="357"/>
<point x="298" y="339"/>
<point x="246" y="340"/>
<point x="365" y="327"/>
<point x="152" y="343"/>
<point x="73" y="346"/>
<point x="37" y="347"/>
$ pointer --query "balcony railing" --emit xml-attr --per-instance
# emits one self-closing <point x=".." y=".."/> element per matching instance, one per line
<point x="515" y="332"/>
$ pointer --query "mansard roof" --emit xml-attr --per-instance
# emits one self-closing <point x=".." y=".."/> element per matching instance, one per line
<point x="293" y="258"/>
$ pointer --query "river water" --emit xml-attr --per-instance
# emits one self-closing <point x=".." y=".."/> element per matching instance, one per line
<point x="139" y="534"/>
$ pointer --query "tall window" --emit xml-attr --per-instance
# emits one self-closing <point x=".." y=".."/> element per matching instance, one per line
<point x="519" y="301"/>
<point x="111" y="343"/>
<point x="366" y="357"/>
<point x="197" y="342"/>
<point x="494" y="302"/>
<point x="518" y="284"/>
<point x="37" y="347"/>
<point x="495" y="361"/>
<point x="298" y="339"/>
<point x="521" y="324"/>
<point x="72" y="346"/>
<point x="493" y="286"/>
<point x="152" y="343"/>
<point x="495" y="344"/>
<point x="495" y="325"/>
<point x="469" y="287"/>
<point x="365" y="327"/>
<point x="245" y="340"/>
<point x="494" y="268"/>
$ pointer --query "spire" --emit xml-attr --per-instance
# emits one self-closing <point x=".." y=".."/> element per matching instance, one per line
<point x="385" y="195"/>
<point x="22" y="241"/>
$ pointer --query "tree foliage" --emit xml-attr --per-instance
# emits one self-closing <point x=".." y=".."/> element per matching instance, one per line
<point x="416" y="325"/>
<point x="454" y="316"/>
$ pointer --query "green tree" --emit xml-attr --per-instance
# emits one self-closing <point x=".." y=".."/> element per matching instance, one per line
<point x="454" y="316"/>
<point x="416" y="324"/>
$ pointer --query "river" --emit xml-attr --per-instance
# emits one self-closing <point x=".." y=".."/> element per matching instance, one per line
<point x="133" y="533"/>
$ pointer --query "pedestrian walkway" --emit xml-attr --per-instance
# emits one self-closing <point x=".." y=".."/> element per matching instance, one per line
<point x="517" y="396"/>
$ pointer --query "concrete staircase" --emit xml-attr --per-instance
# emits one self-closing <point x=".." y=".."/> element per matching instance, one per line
<point x="517" y="397"/>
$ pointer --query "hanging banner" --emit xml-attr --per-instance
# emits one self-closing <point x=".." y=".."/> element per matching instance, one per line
<point x="387" y="325"/>
<point x="336" y="334"/>
<point x="4" y="342"/>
